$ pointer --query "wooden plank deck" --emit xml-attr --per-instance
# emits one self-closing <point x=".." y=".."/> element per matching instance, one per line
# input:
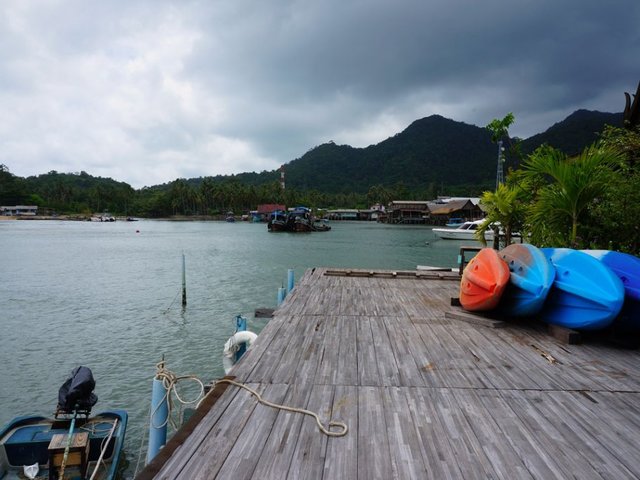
<point x="424" y="396"/>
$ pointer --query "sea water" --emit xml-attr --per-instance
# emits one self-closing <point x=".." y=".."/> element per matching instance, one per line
<point x="108" y="296"/>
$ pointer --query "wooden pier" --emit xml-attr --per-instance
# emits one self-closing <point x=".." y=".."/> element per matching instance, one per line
<point x="424" y="394"/>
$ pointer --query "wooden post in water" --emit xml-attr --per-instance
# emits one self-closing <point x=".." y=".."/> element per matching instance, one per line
<point x="184" y="282"/>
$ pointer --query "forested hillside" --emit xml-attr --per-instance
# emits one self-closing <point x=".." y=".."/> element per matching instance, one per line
<point x="432" y="156"/>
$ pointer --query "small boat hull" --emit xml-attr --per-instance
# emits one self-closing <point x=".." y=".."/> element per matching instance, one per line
<point x="627" y="268"/>
<point x="484" y="280"/>
<point x="586" y="294"/>
<point x="466" y="231"/>
<point x="531" y="277"/>
<point x="26" y="440"/>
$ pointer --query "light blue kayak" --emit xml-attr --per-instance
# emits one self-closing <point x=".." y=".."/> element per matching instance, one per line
<point x="586" y="294"/>
<point x="532" y="275"/>
<point x="627" y="268"/>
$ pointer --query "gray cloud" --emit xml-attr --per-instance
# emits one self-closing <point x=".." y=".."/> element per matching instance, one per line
<point x="148" y="91"/>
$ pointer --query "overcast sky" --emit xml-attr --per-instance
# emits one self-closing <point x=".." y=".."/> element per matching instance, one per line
<point x="147" y="91"/>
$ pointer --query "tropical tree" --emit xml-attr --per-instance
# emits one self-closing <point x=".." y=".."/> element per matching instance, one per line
<point x="500" y="129"/>
<point x="569" y="187"/>
<point x="503" y="207"/>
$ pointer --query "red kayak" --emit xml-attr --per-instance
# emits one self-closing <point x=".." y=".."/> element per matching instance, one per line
<point x="484" y="280"/>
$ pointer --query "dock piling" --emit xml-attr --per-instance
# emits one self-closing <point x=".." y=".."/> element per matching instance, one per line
<point x="159" y="417"/>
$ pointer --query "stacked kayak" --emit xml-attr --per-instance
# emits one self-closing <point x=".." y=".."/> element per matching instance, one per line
<point x="532" y="276"/>
<point x="586" y="294"/>
<point x="484" y="280"/>
<point x="627" y="268"/>
<point x="581" y="290"/>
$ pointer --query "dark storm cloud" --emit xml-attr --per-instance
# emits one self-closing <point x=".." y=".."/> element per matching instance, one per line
<point x="200" y="88"/>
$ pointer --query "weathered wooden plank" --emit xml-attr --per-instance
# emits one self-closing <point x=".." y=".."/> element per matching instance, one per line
<point x="467" y="450"/>
<point x="243" y="458"/>
<point x="374" y="460"/>
<point x="197" y="461"/>
<point x="544" y="430"/>
<point x="408" y="372"/>
<point x="297" y="344"/>
<point x="474" y="319"/>
<point x="438" y="455"/>
<point x="596" y="430"/>
<point x="308" y="461"/>
<point x="494" y="442"/>
<point x="367" y="361"/>
<point x="347" y="371"/>
<point x="406" y="455"/>
<point x="342" y="452"/>
<point x="565" y="335"/>
<point x="279" y="447"/>
<point x="328" y="365"/>
<point x="387" y="365"/>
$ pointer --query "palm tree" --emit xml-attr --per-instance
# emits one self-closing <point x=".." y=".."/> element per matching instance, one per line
<point x="504" y="206"/>
<point x="571" y="185"/>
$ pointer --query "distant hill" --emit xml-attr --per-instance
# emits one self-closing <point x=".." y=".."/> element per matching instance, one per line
<point x="432" y="150"/>
<point x="575" y="132"/>
<point x="433" y="153"/>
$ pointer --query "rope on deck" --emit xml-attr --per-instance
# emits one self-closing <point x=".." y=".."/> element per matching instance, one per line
<point x="326" y="431"/>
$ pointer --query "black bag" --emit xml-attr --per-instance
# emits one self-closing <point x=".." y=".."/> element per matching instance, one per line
<point x="77" y="392"/>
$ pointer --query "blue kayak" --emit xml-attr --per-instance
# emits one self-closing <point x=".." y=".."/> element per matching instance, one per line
<point x="627" y="268"/>
<point x="532" y="275"/>
<point x="586" y="294"/>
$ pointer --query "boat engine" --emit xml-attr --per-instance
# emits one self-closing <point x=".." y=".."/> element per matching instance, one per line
<point x="76" y="393"/>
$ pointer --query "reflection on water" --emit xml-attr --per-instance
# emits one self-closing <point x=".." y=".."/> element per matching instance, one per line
<point x="107" y="295"/>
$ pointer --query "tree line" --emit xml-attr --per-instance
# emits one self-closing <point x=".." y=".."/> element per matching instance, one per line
<point x="83" y="194"/>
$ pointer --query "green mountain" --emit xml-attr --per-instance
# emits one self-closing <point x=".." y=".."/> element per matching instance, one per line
<point x="575" y="132"/>
<point x="432" y="151"/>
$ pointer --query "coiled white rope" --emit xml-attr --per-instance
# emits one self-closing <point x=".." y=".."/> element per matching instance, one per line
<point x="170" y="382"/>
<point x="326" y="431"/>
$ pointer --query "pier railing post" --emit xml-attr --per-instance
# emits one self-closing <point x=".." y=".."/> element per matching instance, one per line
<point x="241" y="326"/>
<point x="158" y="419"/>
<point x="289" y="280"/>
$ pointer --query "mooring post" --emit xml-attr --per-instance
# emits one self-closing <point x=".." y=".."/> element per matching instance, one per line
<point x="184" y="282"/>
<point x="289" y="280"/>
<point x="241" y="326"/>
<point x="158" y="419"/>
<point x="281" y="294"/>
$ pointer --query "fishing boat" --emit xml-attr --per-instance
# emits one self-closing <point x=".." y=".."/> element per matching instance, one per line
<point x="585" y="295"/>
<point x="72" y="444"/>
<point x="277" y="222"/>
<point x="483" y="282"/>
<point x="627" y="268"/>
<point x="530" y="280"/>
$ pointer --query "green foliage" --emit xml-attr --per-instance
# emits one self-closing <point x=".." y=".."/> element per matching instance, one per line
<point x="504" y="206"/>
<point x="500" y="128"/>
<point x="12" y="189"/>
<point x="564" y="189"/>
<point x="615" y="217"/>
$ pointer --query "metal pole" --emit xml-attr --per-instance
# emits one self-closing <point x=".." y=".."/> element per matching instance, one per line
<point x="184" y="282"/>
<point x="500" y="171"/>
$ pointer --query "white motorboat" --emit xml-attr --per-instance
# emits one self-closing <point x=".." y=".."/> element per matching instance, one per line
<point x="466" y="231"/>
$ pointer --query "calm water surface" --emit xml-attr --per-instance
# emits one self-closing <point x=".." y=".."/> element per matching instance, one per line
<point x="107" y="295"/>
